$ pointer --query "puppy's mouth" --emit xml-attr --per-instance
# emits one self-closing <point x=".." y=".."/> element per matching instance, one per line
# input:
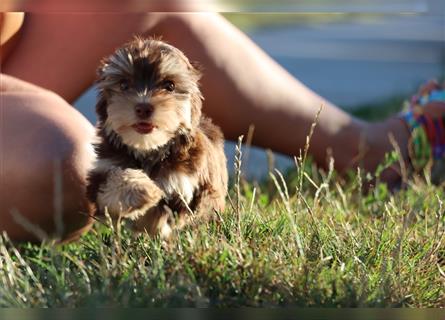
<point x="143" y="127"/>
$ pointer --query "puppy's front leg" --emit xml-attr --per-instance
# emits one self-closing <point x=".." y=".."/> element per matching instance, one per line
<point x="161" y="220"/>
<point x="128" y="193"/>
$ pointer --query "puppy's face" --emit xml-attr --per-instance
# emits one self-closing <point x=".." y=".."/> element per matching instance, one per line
<point x="148" y="93"/>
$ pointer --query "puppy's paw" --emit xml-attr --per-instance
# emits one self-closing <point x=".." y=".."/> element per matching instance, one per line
<point x="128" y="193"/>
<point x="156" y="222"/>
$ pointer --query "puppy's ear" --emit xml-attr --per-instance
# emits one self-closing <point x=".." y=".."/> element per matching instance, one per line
<point x="101" y="105"/>
<point x="197" y="69"/>
<point x="101" y="108"/>
<point x="157" y="38"/>
<point x="100" y="71"/>
<point x="197" y="97"/>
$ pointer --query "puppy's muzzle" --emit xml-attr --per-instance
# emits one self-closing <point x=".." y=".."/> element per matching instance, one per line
<point x="144" y="110"/>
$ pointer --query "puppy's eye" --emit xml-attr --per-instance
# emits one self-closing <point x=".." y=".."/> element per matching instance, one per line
<point x="168" y="85"/>
<point x="124" y="85"/>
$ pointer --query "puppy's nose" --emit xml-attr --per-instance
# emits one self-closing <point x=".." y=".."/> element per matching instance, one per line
<point x="144" y="110"/>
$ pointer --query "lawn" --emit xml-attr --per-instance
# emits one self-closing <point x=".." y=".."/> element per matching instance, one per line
<point x="307" y="237"/>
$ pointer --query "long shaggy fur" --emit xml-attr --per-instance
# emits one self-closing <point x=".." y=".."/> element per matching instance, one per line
<point x="174" y="172"/>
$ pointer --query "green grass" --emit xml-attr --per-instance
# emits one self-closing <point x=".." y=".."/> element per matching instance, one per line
<point x="316" y="240"/>
<point x="308" y="238"/>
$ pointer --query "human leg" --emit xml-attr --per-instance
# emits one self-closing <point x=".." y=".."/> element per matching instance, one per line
<point x="241" y="84"/>
<point x="42" y="138"/>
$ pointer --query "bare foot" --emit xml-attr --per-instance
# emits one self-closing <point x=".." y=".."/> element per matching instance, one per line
<point x="383" y="138"/>
<point x="379" y="141"/>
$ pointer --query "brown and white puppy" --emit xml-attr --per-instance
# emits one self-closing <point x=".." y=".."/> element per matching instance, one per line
<point x="160" y="162"/>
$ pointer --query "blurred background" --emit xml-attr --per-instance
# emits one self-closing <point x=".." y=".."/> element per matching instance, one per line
<point x="366" y="57"/>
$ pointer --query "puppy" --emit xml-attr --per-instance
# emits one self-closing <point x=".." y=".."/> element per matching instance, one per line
<point x="160" y="162"/>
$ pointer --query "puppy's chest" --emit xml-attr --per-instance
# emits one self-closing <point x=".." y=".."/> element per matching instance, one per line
<point x="178" y="183"/>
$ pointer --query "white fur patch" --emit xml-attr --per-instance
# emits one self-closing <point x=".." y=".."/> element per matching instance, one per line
<point x="144" y="142"/>
<point x="179" y="183"/>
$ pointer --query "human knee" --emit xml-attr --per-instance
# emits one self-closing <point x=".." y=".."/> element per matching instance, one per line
<point x="72" y="158"/>
<point x="49" y="155"/>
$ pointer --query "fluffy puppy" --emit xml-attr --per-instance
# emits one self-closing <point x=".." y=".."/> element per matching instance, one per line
<point x="160" y="162"/>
